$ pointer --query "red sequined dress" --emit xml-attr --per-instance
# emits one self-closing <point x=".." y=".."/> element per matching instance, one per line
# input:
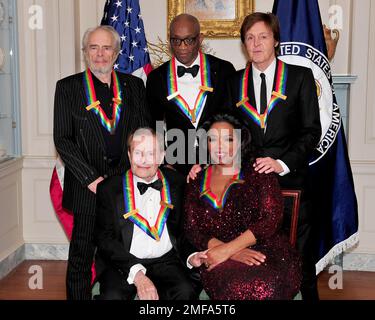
<point x="255" y="204"/>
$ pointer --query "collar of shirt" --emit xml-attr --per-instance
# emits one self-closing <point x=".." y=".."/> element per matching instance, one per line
<point x="97" y="82"/>
<point x="269" y="72"/>
<point x="188" y="87"/>
<point x="137" y="179"/>
<point x="189" y="75"/>
<point x="147" y="203"/>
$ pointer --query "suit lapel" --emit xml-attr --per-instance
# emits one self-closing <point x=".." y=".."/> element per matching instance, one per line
<point x="208" y="104"/>
<point x="252" y="100"/>
<point x="125" y="117"/>
<point x="278" y="104"/>
<point x="126" y="226"/>
<point x="92" y="118"/>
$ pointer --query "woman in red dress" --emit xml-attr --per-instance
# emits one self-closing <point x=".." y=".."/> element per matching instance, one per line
<point x="236" y="213"/>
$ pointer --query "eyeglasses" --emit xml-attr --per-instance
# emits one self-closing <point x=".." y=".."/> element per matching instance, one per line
<point x="176" y="42"/>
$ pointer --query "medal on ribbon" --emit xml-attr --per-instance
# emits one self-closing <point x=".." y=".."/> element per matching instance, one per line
<point x="205" y="87"/>
<point x="94" y="104"/>
<point x="132" y="213"/>
<point x="209" y="196"/>
<point x="277" y="95"/>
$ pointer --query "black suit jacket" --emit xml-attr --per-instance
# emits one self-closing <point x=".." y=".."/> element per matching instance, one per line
<point x="79" y="141"/>
<point x="162" y="109"/>
<point x="113" y="234"/>
<point x="293" y="126"/>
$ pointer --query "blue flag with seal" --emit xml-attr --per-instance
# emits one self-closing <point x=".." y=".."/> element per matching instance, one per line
<point x="334" y="199"/>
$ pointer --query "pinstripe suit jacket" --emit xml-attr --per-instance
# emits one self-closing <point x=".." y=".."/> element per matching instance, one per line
<point x="79" y="141"/>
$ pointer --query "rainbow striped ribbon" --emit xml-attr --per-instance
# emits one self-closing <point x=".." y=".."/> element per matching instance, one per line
<point x="94" y="104"/>
<point x="277" y="95"/>
<point x="209" y="196"/>
<point x="205" y="87"/>
<point x="132" y="213"/>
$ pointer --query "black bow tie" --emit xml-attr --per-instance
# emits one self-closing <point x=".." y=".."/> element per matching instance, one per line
<point x="142" y="187"/>
<point x="181" y="70"/>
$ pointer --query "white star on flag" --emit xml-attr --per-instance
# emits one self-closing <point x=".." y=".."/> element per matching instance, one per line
<point x="134" y="43"/>
<point x="131" y="58"/>
<point x="137" y="30"/>
<point x="114" y="18"/>
<point x="119" y="4"/>
<point x="129" y="9"/>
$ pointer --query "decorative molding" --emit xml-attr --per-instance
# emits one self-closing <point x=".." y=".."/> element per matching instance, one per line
<point x="12" y="261"/>
<point x="46" y="251"/>
<point x="359" y="262"/>
<point x="363" y="167"/>
<point x="10" y="166"/>
<point x="31" y="162"/>
<point x="343" y="79"/>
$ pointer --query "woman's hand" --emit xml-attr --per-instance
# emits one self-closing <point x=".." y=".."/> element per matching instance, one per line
<point x="249" y="257"/>
<point x="193" y="172"/>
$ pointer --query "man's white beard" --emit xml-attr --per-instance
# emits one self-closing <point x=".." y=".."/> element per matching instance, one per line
<point x="102" y="70"/>
<point x="99" y="70"/>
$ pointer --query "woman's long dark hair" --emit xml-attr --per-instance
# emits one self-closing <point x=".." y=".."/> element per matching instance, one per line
<point x="246" y="147"/>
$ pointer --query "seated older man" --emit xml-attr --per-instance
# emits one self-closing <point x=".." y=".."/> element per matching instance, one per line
<point x="141" y="247"/>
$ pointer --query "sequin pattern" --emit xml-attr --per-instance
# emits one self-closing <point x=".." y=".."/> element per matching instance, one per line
<point x="256" y="205"/>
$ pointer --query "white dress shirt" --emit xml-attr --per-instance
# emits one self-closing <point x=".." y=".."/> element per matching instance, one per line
<point x="142" y="245"/>
<point x="257" y="80"/>
<point x="188" y="87"/>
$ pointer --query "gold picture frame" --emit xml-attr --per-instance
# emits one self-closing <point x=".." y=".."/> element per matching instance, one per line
<point x="218" y="18"/>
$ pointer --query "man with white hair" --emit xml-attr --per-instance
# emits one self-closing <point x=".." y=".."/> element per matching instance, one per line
<point x="93" y="114"/>
<point x="142" y="248"/>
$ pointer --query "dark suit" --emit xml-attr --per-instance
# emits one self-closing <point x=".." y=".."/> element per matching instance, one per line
<point x="113" y="236"/>
<point x="293" y="131"/>
<point x="162" y="109"/>
<point x="79" y="141"/>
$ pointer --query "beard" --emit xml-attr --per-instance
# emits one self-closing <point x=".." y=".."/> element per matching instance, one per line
<point x="99" y="70"/>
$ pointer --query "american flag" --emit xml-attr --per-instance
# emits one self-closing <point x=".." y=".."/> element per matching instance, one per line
<point x="125" y="16"/>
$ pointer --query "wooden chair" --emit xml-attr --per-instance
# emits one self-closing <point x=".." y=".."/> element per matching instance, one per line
<point x="291" y="203"/>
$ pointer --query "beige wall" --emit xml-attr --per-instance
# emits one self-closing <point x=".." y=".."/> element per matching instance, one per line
<point x="54" y="52"/>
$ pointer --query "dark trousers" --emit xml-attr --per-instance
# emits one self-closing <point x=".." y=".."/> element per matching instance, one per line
<point x="81" y="255"/>
<point x="304" y="245"/>
<point x="168" y="274"/>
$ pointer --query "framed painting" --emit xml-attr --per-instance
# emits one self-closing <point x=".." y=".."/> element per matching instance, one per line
<point x="218" y="18"/>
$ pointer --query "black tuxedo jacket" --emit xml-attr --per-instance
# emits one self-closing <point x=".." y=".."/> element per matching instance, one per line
<point x="162" y="109"/>
<point x="113" y="234"/>
<point x="79" y="141"/>
<point x="293" y="126"/>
